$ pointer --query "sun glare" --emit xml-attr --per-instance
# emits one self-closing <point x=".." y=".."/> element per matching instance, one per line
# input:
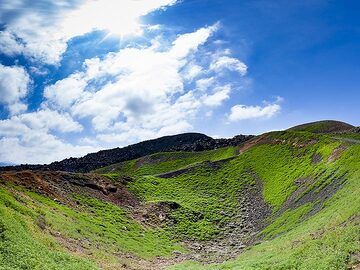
<point x="117" y="17"/>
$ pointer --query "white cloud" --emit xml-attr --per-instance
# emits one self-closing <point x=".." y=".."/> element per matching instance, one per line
<point x="205" y="83"/>
<point x="127" y="96"/>
<point x="44" y="120"/>
<point x="49" y="120"/>
<point x="39" y="147"/>
<point x="42" y="30"/>
<point x="185" y="43"/>
<point x="117" y="17"/>
<point x="14" y="86"/>
<point x="141" y="92"/>
<point x="220" y="94"/>
<point x="8" y="44"/>
<point x="147" y="95"/>
<point x="230" y="63"/>
<point x="26" y="138"/>
<point x="65" y="92"/>
<point x="192" y="71"/>
<point x="243" y="112"/>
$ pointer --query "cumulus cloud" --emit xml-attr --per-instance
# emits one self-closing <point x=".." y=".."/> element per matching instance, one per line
<point x="27" y="138"/>
<point x="191" y="41"/>
<point x="219" y="95"/>
<point x="41" y="29"/>
<point x="133" y="94"/>
<point x="39" y="147"/>
<point x="44" y="119"/>
<point x="192" y="71"/>
<point x="141" y="94"/>
<point x="14" y="86"/>
<point x="65" y="92"/>
<point x="225" y="62"/>
<point x="243" y="112"/>
<point x="204" y="84"/>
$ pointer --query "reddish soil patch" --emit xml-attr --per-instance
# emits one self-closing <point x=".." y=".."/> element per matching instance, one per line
<point x="336" y="154"/>
<point x="250" y="143"/>
<point x="58" y="185"/>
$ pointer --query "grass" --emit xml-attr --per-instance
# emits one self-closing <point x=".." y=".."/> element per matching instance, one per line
<point x="206" y="191"/>
<point x="323" y="241"/>
<point x="94" y="227"/>
<point x="24" y="246"/>
<point x="321" y="126"/>
<point x="164" y="162"/>
<point x="39" y="233"/>
<point x="355" y="136"/>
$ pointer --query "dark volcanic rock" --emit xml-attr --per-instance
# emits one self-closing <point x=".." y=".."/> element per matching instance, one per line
<point x="356" y="130"/>
<point x="183" y="142"/>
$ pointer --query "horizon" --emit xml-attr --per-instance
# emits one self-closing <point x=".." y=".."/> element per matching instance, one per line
<point x="141" y="70"/>
<point x="4" y="164"/>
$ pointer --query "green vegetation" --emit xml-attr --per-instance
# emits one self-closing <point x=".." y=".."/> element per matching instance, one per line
<point x="207" y="189"/>
<point x="355" y="136"/>
<point x="164" y="162"/>
<point x="323" y="241"/>
<point x="201" y="200"/>
<point x="101" y="229"/>
<point x="37" y="232"/>
<point x="22" y="243"/>
<point x="326" y="126"/>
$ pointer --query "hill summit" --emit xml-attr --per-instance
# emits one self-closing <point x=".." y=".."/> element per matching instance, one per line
<point x="325" y="126"/>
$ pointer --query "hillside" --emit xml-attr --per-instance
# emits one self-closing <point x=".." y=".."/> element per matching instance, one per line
<point x="281" y="200"/>
<point x="326" y="126"/>
<point x="182" y="142"/>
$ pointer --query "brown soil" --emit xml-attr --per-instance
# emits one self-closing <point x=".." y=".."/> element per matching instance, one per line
<point x="336" y="154"/>
<point x="58" y="185"/>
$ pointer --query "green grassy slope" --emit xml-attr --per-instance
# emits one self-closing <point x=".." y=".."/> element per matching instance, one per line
<point x="327" y="240"/>
<point x="326" y="126"/>
<point x="164" y="162"/>
<point x="208" y="190"/>
<point x="37" y="232"/>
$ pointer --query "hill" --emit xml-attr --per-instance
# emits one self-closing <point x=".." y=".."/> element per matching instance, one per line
<point x="181" y="142"/>
<point x="326" y="126"/>
<point x="281" y="200"/>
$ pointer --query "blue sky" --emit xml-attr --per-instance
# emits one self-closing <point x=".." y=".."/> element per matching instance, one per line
<point x="77" y="76"/>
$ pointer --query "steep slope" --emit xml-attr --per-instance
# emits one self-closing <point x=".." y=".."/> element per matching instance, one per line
<point x="182" y="142"/>
<point x="320" y="229"/>
<point x="282" y="200"/>
<point x="57" y="220"/>
<point x="165" y="162"/>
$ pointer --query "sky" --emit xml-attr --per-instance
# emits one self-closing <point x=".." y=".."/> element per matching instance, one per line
<point x="78" y="76"/>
